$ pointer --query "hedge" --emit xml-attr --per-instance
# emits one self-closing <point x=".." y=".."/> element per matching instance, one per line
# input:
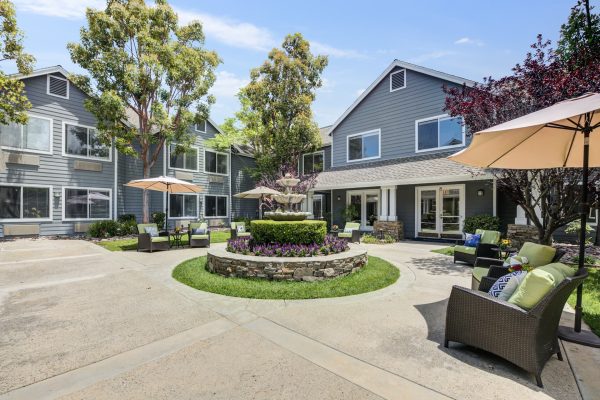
<point x="483" y="221"/>
<point x="292" y="232"/>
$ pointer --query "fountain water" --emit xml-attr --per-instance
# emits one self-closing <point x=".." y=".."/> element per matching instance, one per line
<point x="288" y="199"/>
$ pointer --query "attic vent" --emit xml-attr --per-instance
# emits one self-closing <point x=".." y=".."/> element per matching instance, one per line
<point x="398" y="80"/>
<point x="58" y="86"/>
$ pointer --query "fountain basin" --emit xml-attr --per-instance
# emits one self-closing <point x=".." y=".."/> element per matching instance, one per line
<point x="287" y="216"/>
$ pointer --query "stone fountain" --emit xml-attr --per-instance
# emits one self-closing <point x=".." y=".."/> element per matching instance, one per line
<point x="288" y="199"/>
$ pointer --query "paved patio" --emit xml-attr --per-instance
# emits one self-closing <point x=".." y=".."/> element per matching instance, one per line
<point x="81" y="322"/>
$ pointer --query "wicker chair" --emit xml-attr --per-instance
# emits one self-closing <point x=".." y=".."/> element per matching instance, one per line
<point x="234" y="233"/>
<point x="525" y="338"/>
<point x="354" y="236"/>
<point x="197" y="240"/>
<point x="150" y="243"/>
<point x="489" y="241"/>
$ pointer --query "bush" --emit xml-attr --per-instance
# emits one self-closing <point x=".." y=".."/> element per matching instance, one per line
<point x="158" y="217"/>
<point x="292" y="232"/>
<point x="483" y="221"/>
<point x="126" y="218"/>
<point x="370" y="239"/>
<point x="128" y="227"/>
<point x="331" y="245"/>
<point x="104" y="229"/>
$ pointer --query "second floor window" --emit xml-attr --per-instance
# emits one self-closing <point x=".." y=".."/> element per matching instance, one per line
<point x="364" y="146"/>
<point x="312" y="163"/>
<point x="183" y="206"/>
<point x="35" y="136"/>
<point x="83" y="141"/>
<point x="440" y="133"/>
<point x="216" y="163"/>
<point x="187" y="160"/>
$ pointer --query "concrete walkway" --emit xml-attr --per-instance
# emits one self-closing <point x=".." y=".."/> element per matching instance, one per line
<point x="80" y="322"/>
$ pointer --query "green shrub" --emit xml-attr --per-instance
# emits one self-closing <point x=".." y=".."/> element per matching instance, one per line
<point x="104" y="229"/>
<point x="126" y="218"/>
<point x="158" y="217"/>
<point x="292" y="232"/>
<point x="128" y="227"/>
<point x="370" y="239"/>
<point x="483" y="221"/>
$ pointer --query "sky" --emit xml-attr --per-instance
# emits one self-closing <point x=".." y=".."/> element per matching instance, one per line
<point x="471" y="39"/>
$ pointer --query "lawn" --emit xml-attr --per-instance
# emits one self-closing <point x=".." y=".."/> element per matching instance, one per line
<point x="447" y="251"/>
<point x="375" y="275"/>
<point x="131" y="243"/>
<point x="591" y="300"/>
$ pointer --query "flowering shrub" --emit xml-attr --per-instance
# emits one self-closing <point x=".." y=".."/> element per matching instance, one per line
<point x="331" y="245"/>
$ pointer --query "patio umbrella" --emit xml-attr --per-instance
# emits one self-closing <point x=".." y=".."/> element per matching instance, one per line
<point x="165" y="184"/>
<point x="257" y="193"/>
<point x="559" y="136"/>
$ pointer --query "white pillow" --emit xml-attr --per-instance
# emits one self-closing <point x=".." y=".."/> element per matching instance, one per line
<point x="348" y="230"/>
<point x="512" y="285"/>
<point x="240" y="228"/>
<point x="151" y="230"/>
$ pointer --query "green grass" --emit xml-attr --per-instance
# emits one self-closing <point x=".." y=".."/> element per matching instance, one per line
<point x="447" y="251"/>
<point x="591" y="300"/>
<point x="131" y="244"/>
<point x="375" y="275"/>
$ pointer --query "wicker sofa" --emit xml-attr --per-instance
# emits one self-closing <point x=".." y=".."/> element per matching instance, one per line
<point x="527" y="338"/>
<point x="353" y="236"/>
<point x="489" y="241"/>
<point x="199" y="240"/>
<point x="151" y="243"/>
<point x="235" y="233"/>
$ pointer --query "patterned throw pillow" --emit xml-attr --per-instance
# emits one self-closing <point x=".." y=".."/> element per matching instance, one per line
<point x="152" y="231"/>
<point x="472" y="239"/>
<point x="512" y="285"/>
<point x="501" y="283"/>
<point x="241" y="228"/>
<point x="515" y="261"/>
<point x="199" y="231"/>
<point x="348" y="230"/>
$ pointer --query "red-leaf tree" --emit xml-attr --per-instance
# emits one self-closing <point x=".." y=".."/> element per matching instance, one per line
<point x="550" y="197"/>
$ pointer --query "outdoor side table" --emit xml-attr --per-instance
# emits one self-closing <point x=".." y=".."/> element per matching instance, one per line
<point x="177" y="239"/>
<point x="504" y="253"/>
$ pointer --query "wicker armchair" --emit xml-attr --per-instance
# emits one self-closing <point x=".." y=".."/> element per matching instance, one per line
<point x="489" y="241"/>
<point x="353" y="236"/>
<point x="525" y="338"/>
<point x="197" y="240"/>
<point x="234" y="233"/>
<point x="150" y="243"/>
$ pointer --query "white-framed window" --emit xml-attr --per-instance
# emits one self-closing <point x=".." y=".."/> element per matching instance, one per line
<point x="34" y="137"/>
<point x="317" y="206"/>
<point x="397" y="80"/>
<point x="183" y="205"/>
<point x="313" y="162"/>
<point x="363" y="146"/>
<point x="21" y="203"/>
<point x="215" y="206"/>
<point x="57" y="86"/>
<point x="82" y="203"/>
<point x="81" y="141"/>
<point x="439" y="132"/>
<point x="201" y="127"/>
<point x="216" y="162"/>
<point x="593" y="216"/>
<point x="187" y="161"/>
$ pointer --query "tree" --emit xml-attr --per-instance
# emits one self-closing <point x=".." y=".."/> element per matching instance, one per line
<point x="142" y="63"/>
<point x="13" y="102"/>
<point x="580" y="36"/>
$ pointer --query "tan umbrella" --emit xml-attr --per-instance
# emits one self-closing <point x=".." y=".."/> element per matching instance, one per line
<point x="559" y="136"/>
<point x="258" y="192"/>
<point x="165" y="184"/>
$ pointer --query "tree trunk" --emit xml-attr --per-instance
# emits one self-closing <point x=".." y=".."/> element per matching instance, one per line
<point x="146" y="195"/>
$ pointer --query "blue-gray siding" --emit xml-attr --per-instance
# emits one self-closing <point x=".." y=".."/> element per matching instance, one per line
<point x="241" y="181"/>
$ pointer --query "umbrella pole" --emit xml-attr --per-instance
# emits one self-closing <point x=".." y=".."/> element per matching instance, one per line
<point x="167" y="210"/>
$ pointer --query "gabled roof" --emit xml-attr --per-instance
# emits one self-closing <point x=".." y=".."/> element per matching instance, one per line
<point x="384" y="74"/>
<point x="43" y="71"/>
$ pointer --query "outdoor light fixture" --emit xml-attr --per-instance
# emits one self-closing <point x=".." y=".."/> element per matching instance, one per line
<point x="339" y="198"/>
<point x="480" y="192"/>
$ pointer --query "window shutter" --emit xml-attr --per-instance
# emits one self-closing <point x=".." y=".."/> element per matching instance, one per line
<point x="58" y="86"/>
<point x="397" y="80"/>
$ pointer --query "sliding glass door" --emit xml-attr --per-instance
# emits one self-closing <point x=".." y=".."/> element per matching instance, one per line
<point x="440" y="210"/>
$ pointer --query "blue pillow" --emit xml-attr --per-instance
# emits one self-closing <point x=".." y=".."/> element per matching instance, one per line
<point x="199" y="231"/>
<point x="472" y="239"/>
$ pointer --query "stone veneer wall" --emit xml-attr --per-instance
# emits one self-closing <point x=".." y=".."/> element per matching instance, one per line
<point x="393" y="228"/>
<point x="309" y="269"/>
<point x="519" y="234"/>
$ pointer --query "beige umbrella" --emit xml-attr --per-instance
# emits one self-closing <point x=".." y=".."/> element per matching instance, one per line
<point x="258" y="192"/>
<point x="559" y="136"/>
<point x="165" y="184"/>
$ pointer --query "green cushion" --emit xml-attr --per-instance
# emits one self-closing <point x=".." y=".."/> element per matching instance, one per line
<point x="465" y="249"/>
<point x="345" y="234"/>
<point x="480" y="272"/>
<point x="534" y="287"/>
<point x="196" y="225"/>
<point x="199" y="236"/>
<point x="142" y="227"/>
<point x="242" y="234"/>
<point x="158" y="239"/>
<point x="559" y="271"/>
<point x="352" y="225"/>
<point x="234" y="225"/>
<point x="537" y="254"/>
<point x="488" y="237"/>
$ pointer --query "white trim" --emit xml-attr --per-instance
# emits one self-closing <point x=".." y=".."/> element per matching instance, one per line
<point x="439" y="118"/>
<point x="59" y="78"/>
<point x="217" y="152"/>
<point x="199" y="130"/>
<point x="35" y="151"/>
<point x="384" y="74"/>
<point x="184" y="161"/>
<point x="312" y="154"/>
<point x="50" y="203"/>
<point x="184" y="216"/>
<point x="116" y="187"/>
<point x="321" y="198"/>
<point x="215" y="216"/>
<point x="367" y="133"/>
<point x="438" y="199"/>
<point x="88" y="127"/>
<point x="363" y="205"/>
<point x="403" y="70"/>
<point x="412" y="181"/>
<point x="64" y="202"/>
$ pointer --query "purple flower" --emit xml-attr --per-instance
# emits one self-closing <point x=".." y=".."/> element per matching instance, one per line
<point x="331" y="245"/>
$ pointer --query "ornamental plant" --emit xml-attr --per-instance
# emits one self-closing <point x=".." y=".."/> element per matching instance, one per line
<point x="331" y="245"/>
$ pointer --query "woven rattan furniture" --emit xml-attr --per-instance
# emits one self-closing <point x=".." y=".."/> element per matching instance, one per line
<point x="353" y="236"/>
<point x="485" y="248"/>
<point x="235" y="234"/>
<point x="151" y="243"/>
<point x="525" y="338"/>
<point x="199" y="240"/>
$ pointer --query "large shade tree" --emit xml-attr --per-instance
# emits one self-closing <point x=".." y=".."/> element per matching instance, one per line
<point x="549" y="197"/>
<point x="13" y="102"/>
<point x="148" y="78"/>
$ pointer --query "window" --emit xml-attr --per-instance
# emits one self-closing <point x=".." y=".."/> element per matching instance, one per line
<point x="24" y="202"/>
<point x="397" y="80"/>
<point x="201" y="127"/>
<point x="364" y="146"/>
<point x="187" y="160"/>
<point x="215" y="206"/>
<point x="439" y="133"/>
<point x="183" y="206"/>
<point x="593" y="217"/>
<point x="83" y="142"/>
<point x="318" y="206"/>
<point x="36" y="136"/>
<point x="58" y="86"/>
<point x="86" y="203"/>
<point x="215" y="163"/>
<point x="312" y="163"/>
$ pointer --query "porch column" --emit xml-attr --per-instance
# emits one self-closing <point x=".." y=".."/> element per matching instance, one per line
<point x="392" y="215"/>
<point x="384" y="204"/>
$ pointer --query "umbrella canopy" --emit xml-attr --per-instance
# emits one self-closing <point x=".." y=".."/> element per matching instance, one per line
<point x="257" y="193"/>
<point x="165" y="184"/>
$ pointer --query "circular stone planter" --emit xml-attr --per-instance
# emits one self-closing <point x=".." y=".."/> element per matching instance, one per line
<point x="309" y="269"/>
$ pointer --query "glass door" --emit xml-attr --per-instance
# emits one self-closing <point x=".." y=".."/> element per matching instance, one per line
<point x="451" y="211"/>
<point x="428" y="211"/>
<point x="355" y="204"/>
<point x="365" y="204"/>
<point x="372" y="210"/>
<point x="440" y="210"/>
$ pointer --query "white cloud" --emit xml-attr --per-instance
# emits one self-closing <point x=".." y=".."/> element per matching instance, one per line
<point x="432" y="56"/>
<point x="227" y="84"/>
<point x="71" y="9"/>
<point x="469" y="41"/>
<point x="321" y="48"/>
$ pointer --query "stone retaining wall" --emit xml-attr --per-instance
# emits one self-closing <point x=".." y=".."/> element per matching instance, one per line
<point x="393" y="228"/>
<point x="519" y="234"/>
<point x="309" y="269"/>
